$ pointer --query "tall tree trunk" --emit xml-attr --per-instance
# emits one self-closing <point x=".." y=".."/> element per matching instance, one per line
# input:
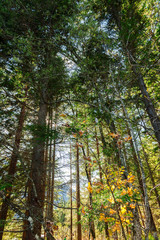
<point x="100" y="171"/>
<point x="12" y="168"/>
<point x="71" y="217"/>
<point x="79" y="231"/>
<point x="146" y="200"/>
<point x="154" y="119"/>
<point x="36" y="191"/>
<point x="130" y="54"/>
<point x="91" y="221"/>
<point x="45" y="170"/>
<point x="53" y="178"/>
<point x="149" y="169"/>
<point x="51" y="167"/>
<point x="137" y="231"/>
<point x="97" y="147"/>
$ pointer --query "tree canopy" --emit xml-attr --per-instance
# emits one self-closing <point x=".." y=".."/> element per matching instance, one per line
<point x="80" y="125"/>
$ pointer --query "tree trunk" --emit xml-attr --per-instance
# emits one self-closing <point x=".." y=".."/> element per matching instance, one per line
<point x="36" y="191"/>
<point x="12" y="169"/>
<point x="97" y="147"/>
<point x="146" y="200"/>
<point x="149" y="169"/>
<point x="53" y="167"/>
<point x="137" y="231"/>
<point x="136" y="162"/>
<point x="130" y="54"/>
<point x="71" y="216"/>
<point x="100" y="172"/>
<point x="79" y="232"/>
<point x="154" y="119"/>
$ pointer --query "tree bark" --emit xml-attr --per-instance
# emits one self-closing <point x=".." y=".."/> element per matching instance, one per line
<point x="71" y="216"/>
<point x="36" y="191"/>
<point x="101" y="172"/>
<point x="79" y="231"/>
<point x="154" y="119"/>
<point x="146" y="200"/>
<point x="130" y="53"/>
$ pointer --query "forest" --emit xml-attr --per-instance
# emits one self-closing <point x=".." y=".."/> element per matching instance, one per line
<point x="79" y="120"/>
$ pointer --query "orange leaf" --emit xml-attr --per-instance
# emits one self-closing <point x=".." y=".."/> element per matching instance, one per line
<point x="80" y="133"/>
<point x="83" y="210"/>
<point x="132" y="205"/>
<point x="114" y="135"/>
<point x="63" y="115"/>
<point x="124" y="192"/>
<point x="111" y="211"/>
<point x="128" y="138"/>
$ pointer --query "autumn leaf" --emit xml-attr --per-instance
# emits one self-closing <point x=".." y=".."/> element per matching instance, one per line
<point x="123" y="210"/>
<point x="89" y="187"/>
<point x="130" y="191"/>
<point x="128" y="138"/>
<point x="83" y="210"/>
<point x="81" y="133"/>
<point x="124" y="192"/>
<point x="112" y="187"/>
<point x="111" y="211"/>
<point x="114" y="135"/>
<point x="102" y="217"/>
<point x="116" y="227"/>
<point x="127" y="221"/>
<point x="111" y="200"/>
<point x="132" y="205"/>
<point x="63" y="115"/>
<point x="130" y="178"/>
<point x="119" y="200"/>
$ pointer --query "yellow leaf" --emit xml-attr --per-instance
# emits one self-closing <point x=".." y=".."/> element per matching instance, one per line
<point x="111" y="200"/>
<point x="130" y="191"/>
<point x="130" y="178"/>
<point x="102" y="217"/>
<point x="89" y="187"/>
<point x="112" y="187"/>
<point x="127" y="221"/>
<point x="124" y="192"/>
<point x="123" y="210"/>
<point x="112" y="211"/>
